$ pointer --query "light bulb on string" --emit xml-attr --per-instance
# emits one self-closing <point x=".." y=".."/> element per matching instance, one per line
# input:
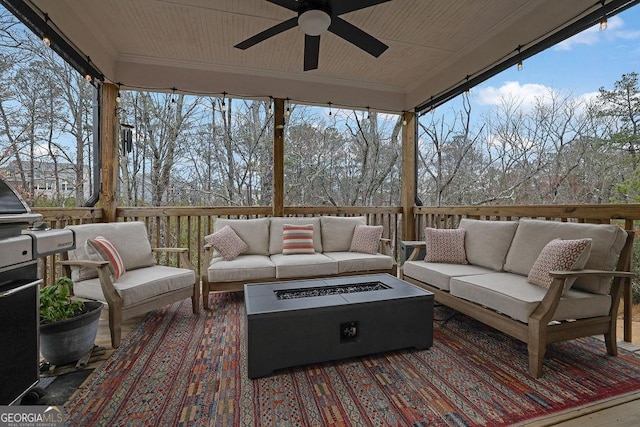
<point x="404" y="118"/>
<point x="47" y="41"/>
<point x="118" y="99"/>
<point x="368" y="114"/>
<point x="287" y="112"/>
<point x="223" y="107"/>
<point x="330" y="113"/>
<point x="603" y="23"/>
<point x="520" y="65"/>
<point x="269" y="110"/>
<point x="173" y="96"/>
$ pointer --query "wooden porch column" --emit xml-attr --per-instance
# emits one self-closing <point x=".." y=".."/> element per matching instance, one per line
<point x="408" y="176"/>
<point x="278" y="157"/>
<point x="108" y="151"/>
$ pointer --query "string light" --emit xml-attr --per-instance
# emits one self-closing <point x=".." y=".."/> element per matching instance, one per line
<point x="287" y="112"/>
<point x="118" y="95"/>
<point x="173" y="96"/>
<point x="520" y="65"/>
<point x="88" y="77"/>
<point x="269" y="110"/>
<point x="223" y="108"/>
<point x="468" y="91"/>
<point x="404" y="118"/>
<point x="368" y="114"/>
<point x="330" y="110"/>
<point x="603" y="23"/>
<point x="47" y="41"/>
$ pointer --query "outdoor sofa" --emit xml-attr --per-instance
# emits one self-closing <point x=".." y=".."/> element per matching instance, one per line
<point x="267" y="249"/>
<point x="505" y="274"/>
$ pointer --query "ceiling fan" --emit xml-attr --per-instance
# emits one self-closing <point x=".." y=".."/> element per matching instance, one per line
<point x="314" y="18"/>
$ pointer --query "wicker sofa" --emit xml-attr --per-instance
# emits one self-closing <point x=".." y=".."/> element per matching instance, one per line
<point x="493" y="286"/>
<point x="264" y="261"/>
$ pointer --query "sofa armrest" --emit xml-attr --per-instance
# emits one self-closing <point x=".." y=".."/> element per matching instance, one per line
<point x="591" y="273"/>
<point x="184" y="260"/>
<point x="84" y="263"/>
<point x="385" y="245"/>
<point x="416" y="249"/>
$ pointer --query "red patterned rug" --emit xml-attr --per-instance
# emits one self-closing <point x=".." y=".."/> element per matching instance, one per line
<point x="181" y="369"/>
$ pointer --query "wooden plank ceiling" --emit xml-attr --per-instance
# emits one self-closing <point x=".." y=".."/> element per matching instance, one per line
<point x="189" y="45"/>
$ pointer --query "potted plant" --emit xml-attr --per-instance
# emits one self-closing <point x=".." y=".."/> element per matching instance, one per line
<point x="68" y="328"/>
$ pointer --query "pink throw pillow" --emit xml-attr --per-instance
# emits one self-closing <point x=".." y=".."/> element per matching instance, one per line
<point x="559" y="255"/>
<point x="227" y="243"/>
<point x="297" y="239"/>
<point x="445" y="245"/>
<point x="366" y="239"/>
<point x="105" y="250"/>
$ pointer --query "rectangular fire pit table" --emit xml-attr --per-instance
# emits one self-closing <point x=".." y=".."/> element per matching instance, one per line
<point x="310" y="321"/>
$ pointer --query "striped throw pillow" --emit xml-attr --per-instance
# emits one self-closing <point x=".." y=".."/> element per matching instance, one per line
<point x="104" y="250"/>
<point x="297" y="239"/>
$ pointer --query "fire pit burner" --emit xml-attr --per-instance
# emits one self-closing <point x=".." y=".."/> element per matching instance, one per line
<point x="321" y="291"/>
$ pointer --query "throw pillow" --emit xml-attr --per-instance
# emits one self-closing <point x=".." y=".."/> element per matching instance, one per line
<point x="445" y="245"/>
<point x="366" y="239"/>
<point x="561" y="255"/>
<point x="104" y="250"/>
<point x="227" y="243"/>
<point x="297" y="239"/>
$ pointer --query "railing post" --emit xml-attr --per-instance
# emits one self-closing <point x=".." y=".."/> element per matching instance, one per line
<point x="109" y="151"/>
<point x="278" y="157"/>
<point x="408" y="176"/>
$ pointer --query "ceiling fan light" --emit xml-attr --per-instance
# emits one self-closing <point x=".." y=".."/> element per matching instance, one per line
<point x="314" y="22"/>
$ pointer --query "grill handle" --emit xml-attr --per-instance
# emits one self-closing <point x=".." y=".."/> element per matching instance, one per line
<point x="20" y="288"/>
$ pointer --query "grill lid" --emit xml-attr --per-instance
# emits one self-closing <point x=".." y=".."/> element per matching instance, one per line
<point x="10" y="200"/>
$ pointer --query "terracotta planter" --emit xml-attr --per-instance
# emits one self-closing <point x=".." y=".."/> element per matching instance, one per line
<point x="68" y="340"/>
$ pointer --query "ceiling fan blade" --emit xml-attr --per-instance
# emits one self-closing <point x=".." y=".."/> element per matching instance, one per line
<point x="311" y="52"/>
<point x="288" y="4"/>
<point x="356" y="36"/>
<point x="269" y="32"/>
<point x="340" y="7"/>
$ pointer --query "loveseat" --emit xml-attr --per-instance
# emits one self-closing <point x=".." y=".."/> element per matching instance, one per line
<point x="507" y="275"/>
<point x="261" y="250"/>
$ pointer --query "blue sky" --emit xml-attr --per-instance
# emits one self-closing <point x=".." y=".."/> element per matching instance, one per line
<point x="579" y="65"/>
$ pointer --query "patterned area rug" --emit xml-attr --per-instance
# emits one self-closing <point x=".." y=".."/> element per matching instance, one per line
<point x="180" y="369"/>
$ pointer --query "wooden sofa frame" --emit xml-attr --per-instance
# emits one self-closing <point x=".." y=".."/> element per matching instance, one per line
<point x="539" y="332"/>
<point x="208" y="287"/>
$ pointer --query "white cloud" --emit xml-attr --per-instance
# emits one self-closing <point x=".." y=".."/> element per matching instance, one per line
<point x="525" y="95"/>
<point x="593" y="35"/>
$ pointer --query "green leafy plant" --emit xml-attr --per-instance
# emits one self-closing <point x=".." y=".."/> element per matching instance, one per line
<point x="56" y="303"/>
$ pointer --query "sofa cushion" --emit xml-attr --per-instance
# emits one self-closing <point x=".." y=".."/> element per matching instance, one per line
<point x="227" y="243"/>
<point x="102" y="249"/>
<point x="307" y="265"/>
<point x="275" y="233"/>
<point x="129" y="238"/>
<point x="446" y="245"/>
<point x="512" y="295"/>
<point x="140" y="284"/>
<point x="439" y="274"/>
<point x="337" y="232"/>
<point x="349" y="262"/>
<point x="487" y="242"/>
<point x="532" y="235"/>
<point x="560" y="255"/>
<point x="366" y="239"/>
<point x="297" y="239"/>
<point x="244" y="267"/>
<point x="254" y="232"/>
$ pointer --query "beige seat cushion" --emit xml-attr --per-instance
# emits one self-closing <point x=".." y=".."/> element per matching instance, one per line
<point x="139" y="285"/>
<point x="512" y="295"/>
<point x="487" y="242"/>
<point x="303" y="265"/>
<point x="349" y="262"/>
<point x="439" y="274"/>
<point x="129" y="238"/>
<point x="533" y="235"/>
<point x="337" y="232"/>
<point x="254" y="232"/>
<point x="275" y="233"/>
<point x="244" y="267"/>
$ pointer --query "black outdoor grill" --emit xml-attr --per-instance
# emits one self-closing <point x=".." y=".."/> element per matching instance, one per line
<point x="23" y="239"/>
